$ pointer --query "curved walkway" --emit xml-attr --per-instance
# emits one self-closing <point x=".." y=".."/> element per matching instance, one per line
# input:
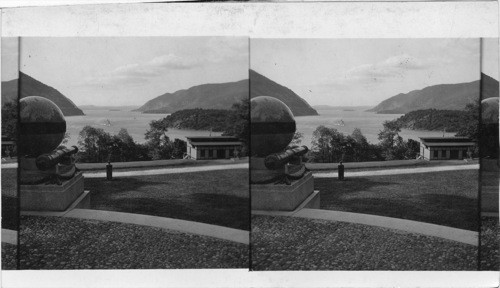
<point x="9" y="236"/>
<point x="454" y="234"/>
<point x="9" y="165"/>
<point x="167" y="170"/>
<point x="397" y="171"/>
<point x="220" y="232"/>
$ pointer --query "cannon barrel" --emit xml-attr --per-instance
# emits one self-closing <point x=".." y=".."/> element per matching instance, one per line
<point x="49" y="160"/>
<point x="277" y="160"/>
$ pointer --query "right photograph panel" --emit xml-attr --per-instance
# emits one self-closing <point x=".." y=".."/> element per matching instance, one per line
<point x="490" y="232"/>
<point x="365" y="154"/>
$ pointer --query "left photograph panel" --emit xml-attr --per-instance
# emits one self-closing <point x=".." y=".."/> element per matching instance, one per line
<point x="10" y="197"/>
<point x="133" y="153"/>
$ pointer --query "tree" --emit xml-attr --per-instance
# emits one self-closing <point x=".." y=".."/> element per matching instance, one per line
<point x="391" y="144"/>
<point x="360" y="146"/>
<point x="158" y="143"/>
<point x="66" y="138"/>
<point x="93" y="145"/>
<point x="471" y="128"/>
<point x="125" y="149"/>
<point x="328" y="145"/>
<point x="412" y="149"/>
<point x="297" y="138"/>
<point x="237" y="123"/>
<point x="179" y="148"/>
<point x="9" y="123"/>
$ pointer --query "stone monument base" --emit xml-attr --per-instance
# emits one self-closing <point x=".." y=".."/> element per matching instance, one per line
<point x="51" y="197"/>
<point x="281" y="197"/>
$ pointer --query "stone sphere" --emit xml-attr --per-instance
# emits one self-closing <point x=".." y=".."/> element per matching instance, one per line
<point x="489" y="110"/>
<point x="42" y="126"/>
<point x="272" y="126"/>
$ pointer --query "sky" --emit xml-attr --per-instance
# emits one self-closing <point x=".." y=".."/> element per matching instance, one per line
<point x="116" y="71"/>
<point x="359" y="72"/>
<point x="10" y="58"/>
<point x="489" y="57"/>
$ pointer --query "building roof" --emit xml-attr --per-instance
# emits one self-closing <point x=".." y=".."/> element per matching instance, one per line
<point x="450" y="144"/>
<point x="216" y="143"/>
<point x="447" y="141"/>
<point x="212" y="139"/>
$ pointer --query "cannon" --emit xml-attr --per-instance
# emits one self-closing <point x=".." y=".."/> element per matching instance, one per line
<point x="49" y="179"/>
<point x="47" y="161"/>
<point x="41" y="131"/>
<point x="278" y="160"/>
<point x="272" y="128"/>
<point x="279" y="181"/>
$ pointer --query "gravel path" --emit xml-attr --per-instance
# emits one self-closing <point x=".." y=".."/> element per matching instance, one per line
<point x="9" y="252"/>
<point x="63" y="243"/>
<point x="490" y="240"/>
<point x="287" y="243"/>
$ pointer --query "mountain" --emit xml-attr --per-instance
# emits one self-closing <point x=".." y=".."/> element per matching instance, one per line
<point x="224" y="95"/>
<point x="32" y="87"/>
<point x="9" y="91"/>
<point x="109" y="108"/>
<point x="263" y="86"/>
<point x="443" y="97"/>
<point x="345" y="108"/>
<point x="434" y="120"/>
<point x="489" y="87"/>
<point x="206" y="96"/>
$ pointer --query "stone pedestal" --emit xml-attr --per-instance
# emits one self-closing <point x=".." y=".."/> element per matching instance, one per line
<point x="281" y="197"/>
<point x="51" y="197"/>
<point x="489" y="187"/>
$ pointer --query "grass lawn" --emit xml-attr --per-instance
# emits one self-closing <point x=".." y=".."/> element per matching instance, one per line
<point x="445" y="198"/>
<point x="9" y="199"/>
<point x="213" y="197"/>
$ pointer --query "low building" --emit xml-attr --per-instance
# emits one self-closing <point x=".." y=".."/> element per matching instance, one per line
<point x="7" y="146"/>
<point x="213" y="147"/>
<point x="446" y="148"/>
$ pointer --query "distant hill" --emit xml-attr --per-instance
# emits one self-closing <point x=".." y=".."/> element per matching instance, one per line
<point x="32" y="87"/>
<point x="9" y="91"/>
<point x="224" y="95"/>
<point x="109" y="108"/>
<point x="263" y="86"/>
<point x="489" y="87"/>
<point x="199" y="119"/>
<point x="443" y="97"/>
<point x="433" y="119"/>
<point x="345" y="108"/>
<point x="206" y="96"/>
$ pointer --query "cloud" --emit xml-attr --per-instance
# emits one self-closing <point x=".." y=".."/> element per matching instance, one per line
<point x="140" y="73"/>
<point x="220" y="49"/>
<point x="213" y="51"/>
<point x="392" y="68"/>
<point x="10" y="46"/>
<point x="389" y="68"/>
